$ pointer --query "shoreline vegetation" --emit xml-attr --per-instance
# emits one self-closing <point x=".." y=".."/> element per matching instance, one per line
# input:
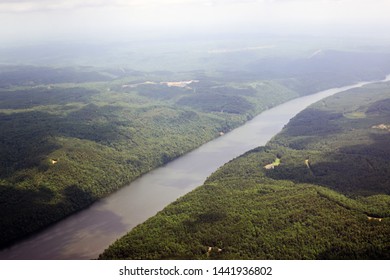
<point x="65" y="146"/>
<point x="328" y="198"/>
<point x="73" y="135"/>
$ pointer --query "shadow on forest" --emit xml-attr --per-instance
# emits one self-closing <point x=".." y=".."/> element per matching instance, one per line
<point x="201" y="220"/>
<point x="28" y="137"/>
<point x="380" y="107"/>
<point x="313" y="122"/>
<point x="41" y="206"/>
<point x="345" y="253"/>
<point x="29" y="98"/>
<point x="12" y="75"/>
<point x="353" y="170"/>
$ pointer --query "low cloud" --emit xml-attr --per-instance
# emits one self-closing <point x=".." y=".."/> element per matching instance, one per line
<point x="16" y="6"/>
<point x="44" y="5"/>
<point x="47" y="18"/>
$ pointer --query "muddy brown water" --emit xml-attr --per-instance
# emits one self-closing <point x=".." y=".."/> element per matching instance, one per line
<point x="84" y="235"/>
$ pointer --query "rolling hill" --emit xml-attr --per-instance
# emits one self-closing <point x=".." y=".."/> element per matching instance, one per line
<point x="326" y="195"/>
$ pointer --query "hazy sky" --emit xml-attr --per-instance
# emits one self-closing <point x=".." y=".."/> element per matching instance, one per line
<point x="54" y="19"/>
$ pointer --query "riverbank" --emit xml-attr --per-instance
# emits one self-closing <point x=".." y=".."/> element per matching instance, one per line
<point x="336" y="210"/>
<point x="67" y="145"/>
<point x="87" y="233"/>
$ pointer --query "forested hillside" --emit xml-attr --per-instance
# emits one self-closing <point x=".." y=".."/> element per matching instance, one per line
<point x="318" y="190"/>
<point x="72" y="135"/>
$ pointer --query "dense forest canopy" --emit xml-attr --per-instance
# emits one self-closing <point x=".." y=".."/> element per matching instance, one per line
<point x="320" y="189"/>
<point x="72" y="135"/>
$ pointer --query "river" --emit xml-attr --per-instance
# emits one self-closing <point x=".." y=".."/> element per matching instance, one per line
<point x="86" y="234"/>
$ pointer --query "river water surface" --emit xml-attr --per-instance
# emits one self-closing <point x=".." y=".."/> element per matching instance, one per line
<point x="86" y="234"/>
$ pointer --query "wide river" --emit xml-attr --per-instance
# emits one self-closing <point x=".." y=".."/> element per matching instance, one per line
<point x="87" y="233"/>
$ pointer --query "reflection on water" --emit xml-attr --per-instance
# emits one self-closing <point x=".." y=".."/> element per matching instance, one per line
<point x="86" y="234"/>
